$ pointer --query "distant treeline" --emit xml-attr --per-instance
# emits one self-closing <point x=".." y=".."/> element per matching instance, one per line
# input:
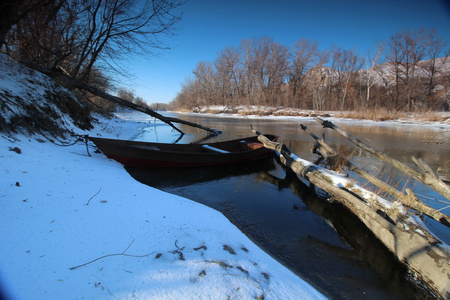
<point x="409" y="72"/>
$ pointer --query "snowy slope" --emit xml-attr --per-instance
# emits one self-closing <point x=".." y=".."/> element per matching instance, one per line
<point x="384" y="74"/>
<point x="61" y="209"/>
<point x="33" y="102"/>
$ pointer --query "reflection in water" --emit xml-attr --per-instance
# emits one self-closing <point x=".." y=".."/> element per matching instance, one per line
<point x="397" y="140"/>
<point x="164" y="178"/>
<point x="322" y="242"/>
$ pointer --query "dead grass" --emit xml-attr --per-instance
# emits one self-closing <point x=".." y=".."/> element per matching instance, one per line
<point x="379" y="114"/>
<point x="382" y="114"/>
<point x="256" y="112"/>
<point x="431" y="116"/>
<point x="212" y="111"/>
<point x="290" y="113"/>
<point x="339" y="162"/>
<point x="184" y="110"/>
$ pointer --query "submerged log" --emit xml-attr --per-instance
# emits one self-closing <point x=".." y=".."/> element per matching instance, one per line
<point x="426" y="256"/>
<point x="429" y="178"/>
<point x="410" y="199"/>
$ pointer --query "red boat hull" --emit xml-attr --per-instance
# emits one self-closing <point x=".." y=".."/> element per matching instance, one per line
<point x="143" y="154"/>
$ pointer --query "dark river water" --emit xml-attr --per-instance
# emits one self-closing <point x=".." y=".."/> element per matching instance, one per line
<point x="322" y="242"/>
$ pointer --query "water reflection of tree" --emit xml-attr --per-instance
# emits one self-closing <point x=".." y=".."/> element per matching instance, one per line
<point x="366" y="250"/>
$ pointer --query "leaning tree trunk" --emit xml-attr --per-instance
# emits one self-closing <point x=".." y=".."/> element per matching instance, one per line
<point x="426" y="256"/>
<point x="410" y="199"/>
<point x="72" y="83"/>
<point x="428" y="176"/>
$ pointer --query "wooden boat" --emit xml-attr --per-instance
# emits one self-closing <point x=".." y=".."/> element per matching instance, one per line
<point x="145" y="154"/>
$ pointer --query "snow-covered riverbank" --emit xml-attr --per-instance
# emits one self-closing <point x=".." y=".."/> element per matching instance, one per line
<point x="74" y="226"/>
<point x="438" y="120"/>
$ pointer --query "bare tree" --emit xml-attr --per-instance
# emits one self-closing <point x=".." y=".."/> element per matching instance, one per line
<point x="229" y="66"/>
<point x="406" y="50"/>
<point x="117" y="28"/>
<point x="304" y="58"/>
<point x="48" y="34"/>
<point x="346" y="63"/>
<point x="262" y="72"/>
<point x="249" y="71"/>
<point x="260" y="54"/>
<point x="318" y="82"/>
<point x="186" y="98"/>
<point x="266" y="64"/>
<point x="126" y="94"/>
<point x="77" y="34"/>
<point x="277" y="72"/>
<point x="371" y="61"/>
<point x="205" y="83"/>
<point x="13" y="11"/>
<point x="434" y="67"/>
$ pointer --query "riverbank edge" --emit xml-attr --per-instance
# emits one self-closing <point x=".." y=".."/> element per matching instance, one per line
<point x="62" y="208"/>
<point x="429" y="119"/>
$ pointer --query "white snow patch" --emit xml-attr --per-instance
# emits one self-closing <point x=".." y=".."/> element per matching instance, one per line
<point x="300" y="115"/>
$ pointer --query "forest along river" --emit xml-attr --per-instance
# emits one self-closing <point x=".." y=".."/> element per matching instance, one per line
<point x="321" y="242"/>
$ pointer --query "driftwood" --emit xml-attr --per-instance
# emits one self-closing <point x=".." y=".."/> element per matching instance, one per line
<point x="427" y="257"/>
<point x="429" y="177"/>
<point x="72" y="83"/>
<point x="444" y="174"/>
<point x="410" y="199"/>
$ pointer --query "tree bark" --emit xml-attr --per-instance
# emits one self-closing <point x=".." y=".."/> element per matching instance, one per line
<point x="426" y="256"/>
<point x="410" y="200"/>
<point x="432" y="181"/>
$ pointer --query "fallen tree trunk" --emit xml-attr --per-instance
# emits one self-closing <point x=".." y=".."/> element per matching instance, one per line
<point x="73" y="83"/>
<point x="410" y="199"/>
<point x="428" y="177"/>
<point x="427" y="257"/>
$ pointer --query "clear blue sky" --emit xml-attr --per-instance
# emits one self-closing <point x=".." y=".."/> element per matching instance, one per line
<point x="208" y="26"/>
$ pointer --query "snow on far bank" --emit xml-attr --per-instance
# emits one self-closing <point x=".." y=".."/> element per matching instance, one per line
<point x="60" y="209"/>
<point x="277" y="113"/>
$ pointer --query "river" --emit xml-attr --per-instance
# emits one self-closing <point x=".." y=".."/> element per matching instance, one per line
<point x="321" y="242"/>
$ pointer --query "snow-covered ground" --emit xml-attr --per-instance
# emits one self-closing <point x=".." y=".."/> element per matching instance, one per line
<point x="79" y="227"/>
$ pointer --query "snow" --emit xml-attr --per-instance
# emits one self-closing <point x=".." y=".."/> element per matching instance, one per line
<point x="17" y="81"/>
<point x="342" y="181"/>
<point x="301" y="115"/>
<point x="61" y="209"/>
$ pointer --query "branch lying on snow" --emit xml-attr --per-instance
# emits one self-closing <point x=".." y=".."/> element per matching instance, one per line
<point x="93" y="196"/>
<point x="73" y="83"/>
<point x="115" y="254"/>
